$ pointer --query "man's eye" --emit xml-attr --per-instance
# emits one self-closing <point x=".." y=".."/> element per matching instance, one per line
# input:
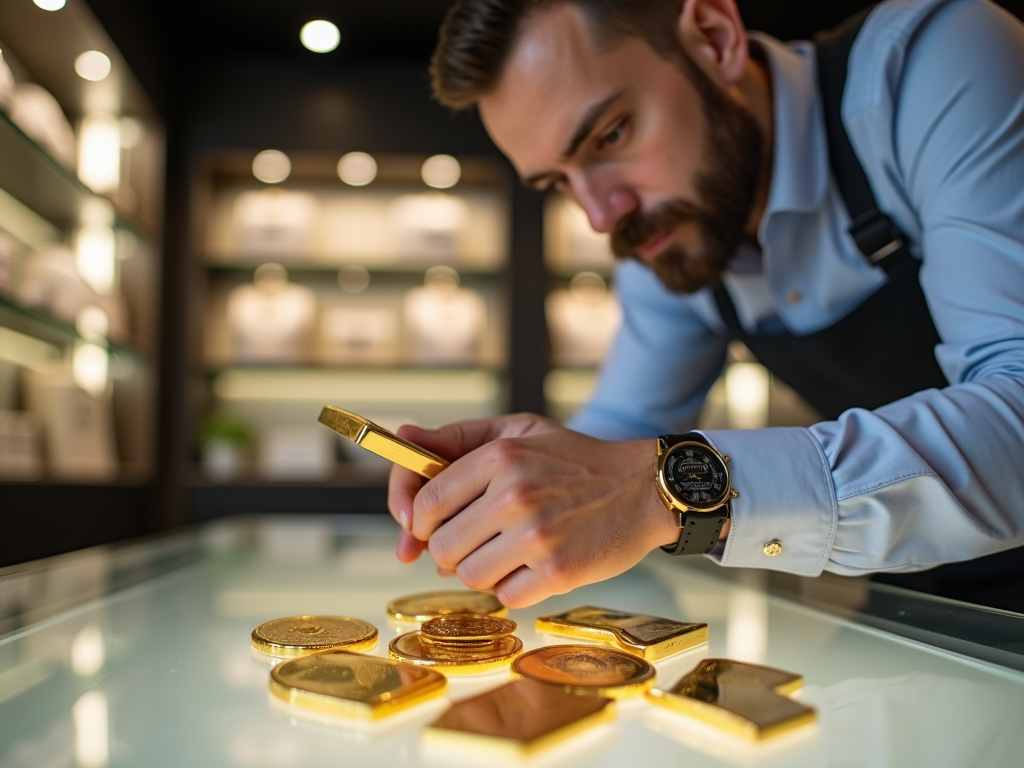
<point x="612" y="136"/>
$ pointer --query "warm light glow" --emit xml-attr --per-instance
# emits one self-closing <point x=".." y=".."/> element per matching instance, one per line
<point x="92" y="730"/>
<point x="746" y="395"/>
<point x="95" y="257"/>
<point x="99" y="153"/>
<point x="88" y="652"/>
<point x="50" y="5"/>
<point x="92" y="323"/>
<point x="441" y="171"/>
<point x="271" y="166"/>
<point x="92" y="65"/>
<point x="357" y="169"/>
<point x="132" y="132"/>
<point x="90" y="368"/>
<point x="320" y="36"/>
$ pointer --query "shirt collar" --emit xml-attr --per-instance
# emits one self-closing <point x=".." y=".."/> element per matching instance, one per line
<point x="800" y="159"/>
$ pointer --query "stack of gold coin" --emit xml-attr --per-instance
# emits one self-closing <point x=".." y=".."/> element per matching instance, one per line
<point x="425" y="606"/>
<point x="463" y="644"/>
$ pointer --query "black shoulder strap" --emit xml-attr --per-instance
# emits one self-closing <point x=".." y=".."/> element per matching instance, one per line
<point x="876" y="236"/>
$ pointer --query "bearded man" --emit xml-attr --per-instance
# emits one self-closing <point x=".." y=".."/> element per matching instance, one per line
<point x="853" y="210"/>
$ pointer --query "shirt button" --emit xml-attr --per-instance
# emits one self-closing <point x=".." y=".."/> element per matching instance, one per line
<point x="773" y="548"/>
<point x="794" y="297"/>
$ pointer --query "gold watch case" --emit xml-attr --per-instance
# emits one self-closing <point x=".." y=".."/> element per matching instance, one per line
<point x="669" y="499"/>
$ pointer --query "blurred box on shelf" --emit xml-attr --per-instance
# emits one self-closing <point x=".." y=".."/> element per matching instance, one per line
<point x="275" y="222"/>
<point x="37" y="113"/>
<point x="271" y="320"/>
<point x="429" y="225"/>
<point x="583" y="320"/>
<point x="297" y="452"/>
<point x="443" y="323"/>
<point x="78" y="428"/>
<point x="359" y="336"/>
<point x="21" y="455"/>
<point x="570" y="243"/>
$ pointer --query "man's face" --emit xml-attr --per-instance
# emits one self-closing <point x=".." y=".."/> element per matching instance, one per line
<point x="662" y="161"/>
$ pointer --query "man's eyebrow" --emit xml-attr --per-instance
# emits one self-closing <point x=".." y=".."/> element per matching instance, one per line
<point x="586" y="125"/>
<point x="583" y="129"/>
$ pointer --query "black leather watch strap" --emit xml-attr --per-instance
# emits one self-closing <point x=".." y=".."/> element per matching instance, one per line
<point x="698" y="532"/>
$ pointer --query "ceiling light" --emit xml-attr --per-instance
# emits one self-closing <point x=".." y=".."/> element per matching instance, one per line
<point x="92" y="65"/>
<point x="50" y="5"/>
<point x="271" y="166"/>
<point x="357" y="169"/>
<point x="320" y="36"/>
<point x="441" y="171"/>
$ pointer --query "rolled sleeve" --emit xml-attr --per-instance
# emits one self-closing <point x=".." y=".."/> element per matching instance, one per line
<point x="785" y="495"/>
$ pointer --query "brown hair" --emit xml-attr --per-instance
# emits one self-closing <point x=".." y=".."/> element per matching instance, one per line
<point x="477" y="36"/>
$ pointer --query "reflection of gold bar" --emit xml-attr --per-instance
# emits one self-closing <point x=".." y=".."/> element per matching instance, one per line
<point x="372" y="437"/>
<point x="649" y="637"/>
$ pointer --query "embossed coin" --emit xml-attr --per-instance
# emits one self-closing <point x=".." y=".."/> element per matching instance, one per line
<point x="429" y="605"/>
<point x="466" y="629"/>
<point x="587" y="669"/>
<point x="353" y="685"/>
<point x="303" y="635"/>
<point x="473" y="660"/>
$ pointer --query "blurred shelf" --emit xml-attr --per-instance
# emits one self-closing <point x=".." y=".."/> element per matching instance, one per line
<point x="292" y="264"/>
<point x="352" y="489"/>
<point x="45" y="327"/>
<point x="568" y="272"/>
<point x="213" y="369"/>
<point x="49" y="518"/>
<point x="29" y="173"/>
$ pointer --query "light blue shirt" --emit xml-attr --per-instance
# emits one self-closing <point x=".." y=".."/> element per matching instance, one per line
<point x="934" y="106"/>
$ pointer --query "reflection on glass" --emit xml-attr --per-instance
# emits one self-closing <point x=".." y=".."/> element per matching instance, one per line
<point x="747" y="628"/>
<point x="88" y="652"/>
<point x="92" y="731"/>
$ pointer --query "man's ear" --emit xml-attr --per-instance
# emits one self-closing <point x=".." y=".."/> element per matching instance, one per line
<point x="714" y="36"/>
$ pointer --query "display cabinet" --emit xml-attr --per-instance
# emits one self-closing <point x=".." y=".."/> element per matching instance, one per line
<point x="583" y="317"/>
<point x="81" y="181"/>
<point x="373" y="282"/>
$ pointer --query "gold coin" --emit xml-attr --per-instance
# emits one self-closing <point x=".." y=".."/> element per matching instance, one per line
<point x="429" y="605"/>
<point x="353" y="685"/>
<point x="411" y="649"/>
<point x="587" y="669"/>
<point x="303" y="635"/>
<point x="466" y="629"/>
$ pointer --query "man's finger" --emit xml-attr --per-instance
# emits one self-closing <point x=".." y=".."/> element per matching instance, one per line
<point x="409" y="547"/>
<point x="521" y="588"/>
<point x="403" y="485"/>
<point x="489" y="563"/>
<point x="464" y="533"/>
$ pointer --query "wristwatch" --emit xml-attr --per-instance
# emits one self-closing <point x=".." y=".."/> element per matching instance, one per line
<point x="693" y="481"/>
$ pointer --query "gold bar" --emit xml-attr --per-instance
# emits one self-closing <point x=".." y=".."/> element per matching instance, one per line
<point x="648" y="637"/>
<point x="376" y="439"/>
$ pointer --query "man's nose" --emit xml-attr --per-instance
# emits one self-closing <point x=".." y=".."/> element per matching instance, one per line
<point x="605" y="209"/>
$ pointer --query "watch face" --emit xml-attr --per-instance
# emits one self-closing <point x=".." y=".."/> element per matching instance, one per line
<point x="696" y="476"/>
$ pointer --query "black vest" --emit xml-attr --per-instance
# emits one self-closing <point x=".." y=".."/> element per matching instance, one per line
<point x="884" y="349"/>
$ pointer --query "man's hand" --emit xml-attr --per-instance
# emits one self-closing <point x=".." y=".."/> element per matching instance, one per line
<point x="530" y="508"/>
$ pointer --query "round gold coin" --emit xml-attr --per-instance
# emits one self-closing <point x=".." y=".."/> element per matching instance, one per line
<point x="466" y="629"/>
<point x="430" y="605"/>
<point x="450" y="660"/>
<point x="587" y="669"/>
<point x="303" y="635"/>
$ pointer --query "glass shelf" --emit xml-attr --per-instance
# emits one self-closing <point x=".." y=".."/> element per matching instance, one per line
<point x="372" y="265"/>
<point x="35" y="178"/>
<point x="45" y="327"/>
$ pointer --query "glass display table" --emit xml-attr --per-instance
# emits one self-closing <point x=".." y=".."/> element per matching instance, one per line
<point x="139" y="655"/>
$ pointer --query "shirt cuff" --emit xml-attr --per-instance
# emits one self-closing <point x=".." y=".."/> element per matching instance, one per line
<point x="785" y="497"/>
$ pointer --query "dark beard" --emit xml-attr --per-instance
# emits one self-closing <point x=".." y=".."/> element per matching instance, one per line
<point x="726" y="188"/>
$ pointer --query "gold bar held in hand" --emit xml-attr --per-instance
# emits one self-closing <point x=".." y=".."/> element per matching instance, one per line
<point x="376" y="439"/>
